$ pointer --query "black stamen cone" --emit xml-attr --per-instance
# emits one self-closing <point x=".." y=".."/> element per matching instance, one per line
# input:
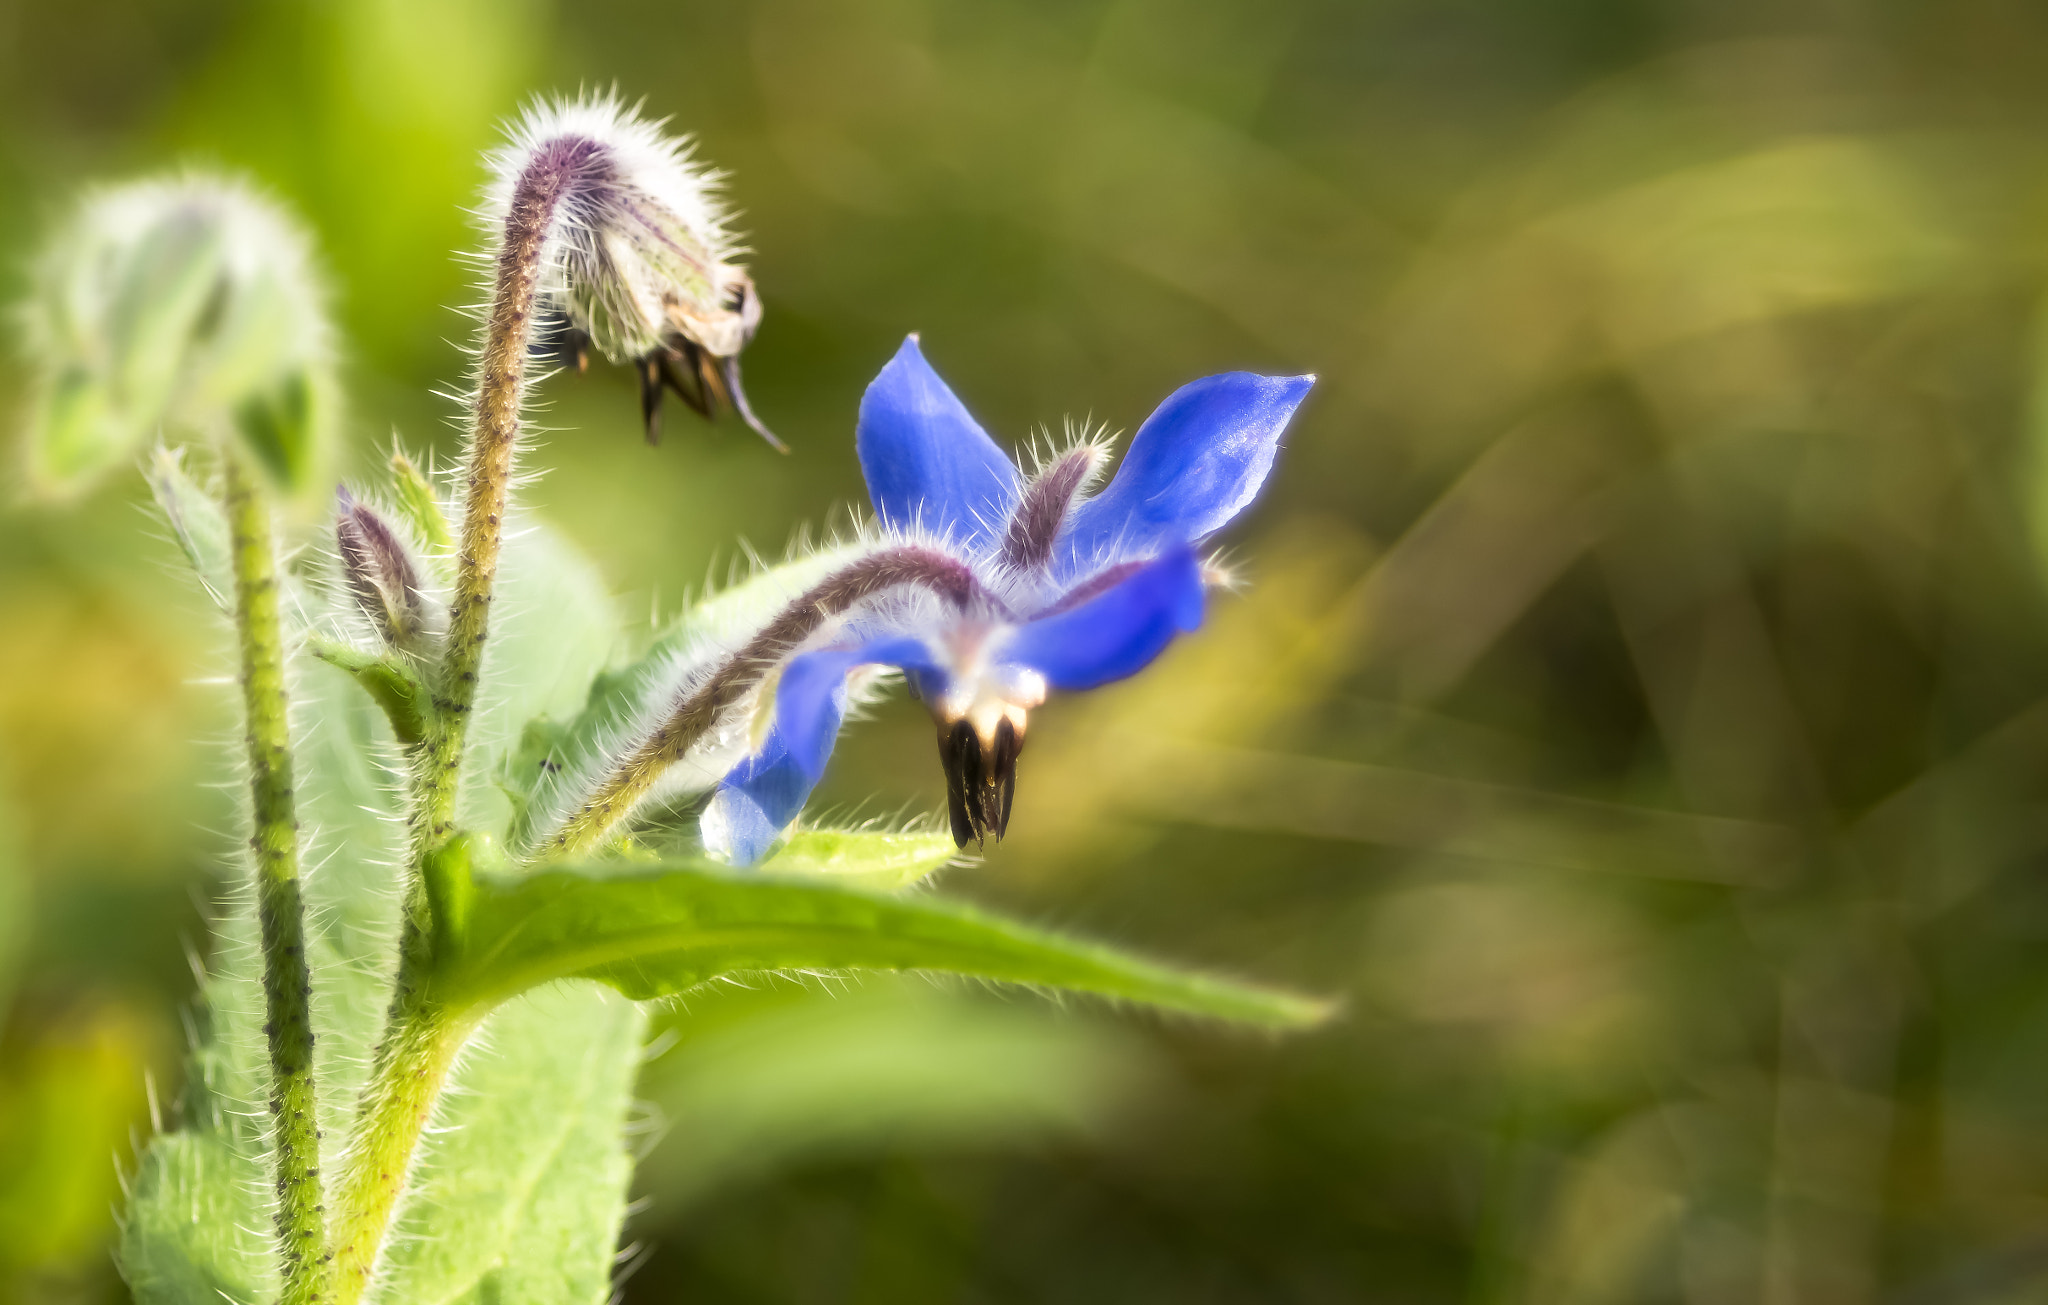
<point x="980" y="783"/>
<point x="680" y="367"/>
<point x="650" y="396"/>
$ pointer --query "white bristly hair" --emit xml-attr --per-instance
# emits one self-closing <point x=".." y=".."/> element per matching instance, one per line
<point x="642" y="250"/>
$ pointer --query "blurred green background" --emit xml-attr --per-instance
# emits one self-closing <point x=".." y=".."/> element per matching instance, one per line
<point x="1638" y="709"/>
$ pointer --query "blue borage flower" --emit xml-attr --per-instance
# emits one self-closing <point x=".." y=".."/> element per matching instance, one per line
<point x="1033" y="585"/>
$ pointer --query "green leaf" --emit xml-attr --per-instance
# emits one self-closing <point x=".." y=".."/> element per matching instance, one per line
<point x="196" y="519"/>
<point x="75" y="434"/>
<point x="875" y="859"/>
<point x="519" y="1197"/>
<point x="393" y="684"/>
<point x="656" y="931"/>
<point x="420" y="504"/>
<point x="284" y="424"/>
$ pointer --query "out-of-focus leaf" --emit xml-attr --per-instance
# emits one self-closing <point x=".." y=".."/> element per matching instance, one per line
<point x="876" y="859"/>
<point x="77" y="436"/>
<point x="281" y="424"/>
<point x="883" y="1065"/>
<point x="656" y="931"/>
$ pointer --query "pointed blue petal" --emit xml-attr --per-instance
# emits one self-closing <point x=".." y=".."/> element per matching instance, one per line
<point x="754" y="804"/>
<point x="926" y="461"/>
<point x="1119" y="631"/>
<point x="1193" y="465"/>
<point x="760" y="796"/>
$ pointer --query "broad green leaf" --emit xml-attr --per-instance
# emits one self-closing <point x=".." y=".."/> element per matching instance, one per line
<point x="522" y="1184"/>
<point x="653" y="931"/>
<point x="876" y="859"/>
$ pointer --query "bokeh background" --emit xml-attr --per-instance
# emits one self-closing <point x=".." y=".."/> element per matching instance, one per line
<point x="1638" y="707"/>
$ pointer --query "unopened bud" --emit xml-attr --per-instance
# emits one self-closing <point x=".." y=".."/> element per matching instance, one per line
<point x="640" y="265"/>
<point x="381" y="575"/>
<point x="186" y="306"/>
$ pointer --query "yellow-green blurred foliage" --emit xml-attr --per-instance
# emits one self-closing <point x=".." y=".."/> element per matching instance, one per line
<point x="1637" y="707"/>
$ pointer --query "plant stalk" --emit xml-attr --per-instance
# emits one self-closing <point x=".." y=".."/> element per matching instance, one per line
<point x="413" y="1060"/>
<point x="420" y="1037"/>
<point x="287" y="983"/>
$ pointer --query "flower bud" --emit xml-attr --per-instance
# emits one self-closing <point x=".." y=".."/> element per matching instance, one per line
<point x="381" y="575"/>
<point x="187" y="306"/>
<point x="641" y="266"/>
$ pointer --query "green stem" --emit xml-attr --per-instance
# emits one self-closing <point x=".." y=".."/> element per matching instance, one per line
<point x="287" y="984"/>
<point x="421" y="1037"/>
<point x="412" y="1063"/>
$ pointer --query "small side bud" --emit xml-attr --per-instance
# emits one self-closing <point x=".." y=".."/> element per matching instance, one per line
<point x="187" y="306"/>
<point x="641" y="267"/>
<point x="381" y="575"/>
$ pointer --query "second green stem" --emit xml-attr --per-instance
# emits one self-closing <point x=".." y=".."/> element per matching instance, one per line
<point x="287" y="981"/>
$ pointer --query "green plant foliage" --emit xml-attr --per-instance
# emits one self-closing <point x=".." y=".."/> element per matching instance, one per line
<point x="654" y="931"/>
<point x="196" y="522"/>
<point x="774" y="1075"/>
<point x="558" y="755"/>
<point x="197" y="1228"/>
<point x="390" y="682"/>
<point x="877" y="859"/>
<point x="520" y="1197"/>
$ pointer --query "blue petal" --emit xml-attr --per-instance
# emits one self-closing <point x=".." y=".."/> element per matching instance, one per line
<point x="1118" y="632"/>
<point x="760" y="796"/>
<point x="754" y="804"/>
<point x="1193" y="465"/>
<point x="926" y="461"/>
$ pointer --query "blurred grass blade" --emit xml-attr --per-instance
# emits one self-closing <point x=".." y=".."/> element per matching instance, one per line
<point x="655" y="931"/>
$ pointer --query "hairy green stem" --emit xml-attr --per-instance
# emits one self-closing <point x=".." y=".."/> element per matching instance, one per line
<point x="287" y="984"/>
<point x="412" y="1063"/>
<point x="420" y="1037"/>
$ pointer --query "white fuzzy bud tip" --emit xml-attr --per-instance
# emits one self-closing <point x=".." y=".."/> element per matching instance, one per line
<point x="188" y="305"/>
<point x="639" y="262"/>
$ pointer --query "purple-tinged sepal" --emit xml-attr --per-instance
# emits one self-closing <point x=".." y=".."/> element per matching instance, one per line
<point x="641" y="266"/>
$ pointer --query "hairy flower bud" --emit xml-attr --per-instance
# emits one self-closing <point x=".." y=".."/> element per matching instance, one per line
<point x="640" y="264"/>
<point x="381" y="575"/>
<point x="187" y="306"/>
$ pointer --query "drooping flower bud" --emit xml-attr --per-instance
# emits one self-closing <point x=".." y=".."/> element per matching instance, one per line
<point x="382" y="576"/>
<point x="187" y="306"/>
<point x="641" y="265"/>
